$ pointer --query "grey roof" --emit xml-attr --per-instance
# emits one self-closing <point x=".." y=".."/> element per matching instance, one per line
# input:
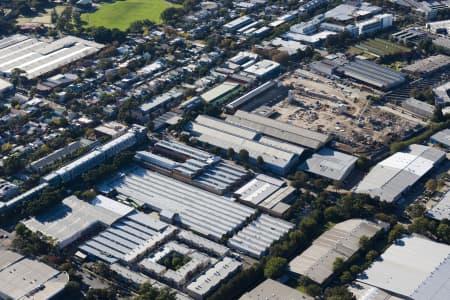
<point x="342" y="241"/>
<point x="225" y="135"/>
<point x="279" y="130"/>
<point x="372" y="73"/>
<point x="390" y="178"/>
<point x="273" y="290"/>
<point x="347" y="12"/>
<point x="266" y="192"/>
<point x="219" y="91"/>
<point x="23" y="278"/>
<point x="413" y="267"/>
<point x="68" y="220"/>
<point x="197" y="241"/>
<point x="256" y="237"/>
<point x="128" y="239"/>
<point x="442" y="137"/>
<point x="429" y="64"/>
<point x="214" y="276"/>
<point x="441" y="210"/>
<point x="37" y="57"/>
<point x="330" y="163"/>
<point x="418" y="107"/>
<point x="201" y="211"/>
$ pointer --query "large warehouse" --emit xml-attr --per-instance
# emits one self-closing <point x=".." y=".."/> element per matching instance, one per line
<point x="413" y="268"/>
<point x="279" y="130"/>
<point x="342" y="241"/>
<point x="74" y="217"/>
<point x="23" y="278"/>
<point x="256" y="237"/>
<point x="199" y="210"/>
<point x="36" y="57"/>
<point x="330" y="164"/>
<point x="393" y="176"/>
<point x="278" y="156"/>
<point x="372" y="74"/>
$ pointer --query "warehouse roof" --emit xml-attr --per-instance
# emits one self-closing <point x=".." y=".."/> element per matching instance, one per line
<point x="68" y="220"/>
<point x="394" y="175"/>
<point x="211" y="278"/>
<point x="372" y="74"/>
<point x="267" y="193"/>
<point x="279" y="130"/>
<point x="441" y="210"/>
<point x="219" y="91"/>
<point x="330" y="163"/>
<point x="201" y="211"/>
<point x="37" y="57"/>
<point x="23" y="278"/>
<point x="128" y="239"/>
<point x="442" y="137"/>
<point x="273" y="290"/>
<point x="428" y="65"/>
<point x="256" y="237"/>
<point x="347" y="12"/>
<point x="262" y="67"/>
<point x="413" y="267"/>
<point x="216" y="135"/>
<point x="342" y="241"/>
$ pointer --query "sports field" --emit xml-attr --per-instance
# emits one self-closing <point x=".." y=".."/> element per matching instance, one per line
<point x="121" y="14"/>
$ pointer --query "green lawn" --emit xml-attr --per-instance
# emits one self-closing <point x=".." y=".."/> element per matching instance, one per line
<point x="121" y="14"/>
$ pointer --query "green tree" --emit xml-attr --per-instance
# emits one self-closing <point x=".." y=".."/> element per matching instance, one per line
<point x="243" y="155"/>
<point x="338" y="264"/>
<point x="274" y="267"/>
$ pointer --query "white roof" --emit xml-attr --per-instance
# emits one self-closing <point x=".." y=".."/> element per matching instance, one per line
<point x="394" y="175"/>
<point x="407" y="268"/>
<point x="112" y="205"/>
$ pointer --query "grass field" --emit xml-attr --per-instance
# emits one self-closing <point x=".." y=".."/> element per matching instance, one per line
<point x="121" y="14"/>
<point x="379" y="48"/>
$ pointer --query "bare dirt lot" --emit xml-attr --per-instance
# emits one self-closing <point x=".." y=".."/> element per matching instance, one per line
<point x="337" y="107"/>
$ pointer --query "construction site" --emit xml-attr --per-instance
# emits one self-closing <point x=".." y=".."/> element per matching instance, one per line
<point x="338" y="107"/>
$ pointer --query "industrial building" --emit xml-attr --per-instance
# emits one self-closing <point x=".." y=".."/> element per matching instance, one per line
<point x="441" y="138"/>
<point x="279" y="130"/>
<point x="349" y="12"/>
<point x="374" y="24"/>
<point x="267" y="193"/>
<point x="371" y="74"/>
<point x="211" y="279"/>
<point x="219" y="92"/>
<point x="128" y="239"/>
<point x="99" y="155"/>
<point x="238" y="23"/>
<point x="71" y="219"/>
<point x="441" y="210"/>
<point x="226" y="135"/>
<point x="330" y="164"/>
<point x="342" y="241"/>
<point x="392" y="177"/>
<point x="264" y="69"/>
<point x="23" y="278"/>
<point x="153" y="263"/>
<point x="193" y="166"/>
<point x="201" y="211"/>
<point x="413" y="268"/>
<point x="158" y="104"/>
<point x="36" y="57"/>
<point x="419" y="108"/>
<point x="256" y="238"/>
<point x="273" y="290"/>
<point x="428" y="66"/>
<point x="239" y="102"/>
<point x="201" y="243"/>
<point x="43" y="163"/>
